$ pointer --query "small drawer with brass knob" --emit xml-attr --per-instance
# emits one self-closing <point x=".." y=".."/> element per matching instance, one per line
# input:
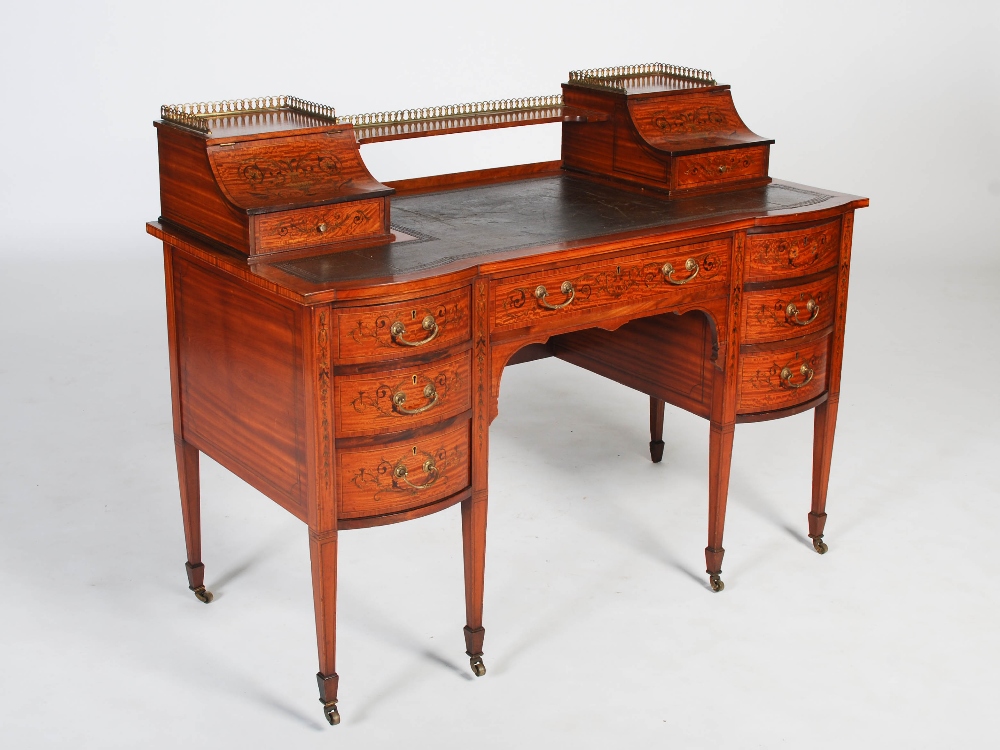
<point x="778" y="314"/>
<point x="783" y="377"/>
<point x="403" y="398"/>
<point x="338" y="222"/>
<point x="730" y="165"/>
<point x="375" y="332"/>
<point x="403" y="475"/>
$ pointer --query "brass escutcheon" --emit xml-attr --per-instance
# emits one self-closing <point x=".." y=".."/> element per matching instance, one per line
<point x="786" y="376"/>
<point x="566" y="288"/>
<point x="792" y="312"/>
<point x="690" y="264"/>
<point x="399" y="398"/>
<point x="397" y="329"/>
<point x="400" y="472"/>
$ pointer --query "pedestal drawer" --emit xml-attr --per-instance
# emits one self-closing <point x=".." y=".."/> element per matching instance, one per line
<point x="556" y="298"/>
<point x="798" y="252"/>
<point x="777" y="314"/>
<point x="402" y="399"/>
<point x="403" y="475"/>
<point x="780" y="378"/>
<point x="366" y="334"/>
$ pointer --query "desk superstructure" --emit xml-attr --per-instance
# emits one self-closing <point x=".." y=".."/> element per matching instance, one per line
<point x="338" y="342"/>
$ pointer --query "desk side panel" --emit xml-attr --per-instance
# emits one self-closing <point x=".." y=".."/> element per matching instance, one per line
<point x="240" y="358"/>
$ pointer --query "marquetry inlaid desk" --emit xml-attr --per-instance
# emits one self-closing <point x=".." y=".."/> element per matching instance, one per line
<point x="339" y="343"/>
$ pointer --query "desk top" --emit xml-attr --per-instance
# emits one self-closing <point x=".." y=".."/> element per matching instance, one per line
<point x="449" y="230"/>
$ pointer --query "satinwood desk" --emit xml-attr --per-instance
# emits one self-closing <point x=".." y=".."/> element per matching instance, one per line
<point x="338" y="342"/>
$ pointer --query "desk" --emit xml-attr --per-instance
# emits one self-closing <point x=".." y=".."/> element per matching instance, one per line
<point x="353" y="379"/>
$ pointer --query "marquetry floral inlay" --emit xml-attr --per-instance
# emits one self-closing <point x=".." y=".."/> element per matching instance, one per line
<point x="615" y="284"/>
<point x="382" y="480"/>
<point x="380" y="397"/>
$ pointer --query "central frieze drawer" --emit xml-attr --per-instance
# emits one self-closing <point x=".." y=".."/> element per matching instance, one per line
<point x="403" y="475"/>
<point x="555" y="297"/>
<point x="402" y="399"/>
<point x="402" y="329"/>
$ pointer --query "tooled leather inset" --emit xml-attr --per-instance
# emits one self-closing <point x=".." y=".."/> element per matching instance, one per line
<point x="799" y="251"/>
<point x="382" y="480"/>
<point x="621" y="283"/>
<point x="375" y="330"/>
<point x="381" y="398"/>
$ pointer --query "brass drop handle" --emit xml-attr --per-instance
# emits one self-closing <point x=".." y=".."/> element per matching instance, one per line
<point x="400" y="472"/>
<point x="428" y="324"/>
<point x="786" y="376"/>
<point x="567" y="288"/>
<point x="399" y="398"/>
<point x="691" y="265"/>
<point x="321" y="228"/>
<point x="793" y="312"/>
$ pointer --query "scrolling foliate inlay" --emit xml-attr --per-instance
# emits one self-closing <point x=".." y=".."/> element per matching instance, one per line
<point x="621" y="283"/>
<point x="375" y="330"/>
<point x="323" y="342"/>
<point x="482" y="360"/>
<point x="380" y="399"/>
<point x="802" y="251"/>
<point x="383" y="478"/>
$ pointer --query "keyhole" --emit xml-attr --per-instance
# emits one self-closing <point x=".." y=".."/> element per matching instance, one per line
<point x="413" y="314"/>
<point x="618" y="270"/>
<point x="414" y="450"/>
<point x="414" y="380"/>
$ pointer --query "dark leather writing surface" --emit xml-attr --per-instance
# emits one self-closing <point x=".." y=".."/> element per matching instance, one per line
<point x="470" y="222"/>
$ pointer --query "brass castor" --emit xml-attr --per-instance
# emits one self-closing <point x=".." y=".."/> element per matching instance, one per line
<point x="203" y="594"/>
<point x="820" y="546"/>
<point x="716" y="583"/>
<point x="331" y="713"/>
<point x="478" y="668"/>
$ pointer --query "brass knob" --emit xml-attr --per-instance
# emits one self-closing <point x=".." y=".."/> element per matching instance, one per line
<point x="722" y="168"/>
<point x="322" y="227"/>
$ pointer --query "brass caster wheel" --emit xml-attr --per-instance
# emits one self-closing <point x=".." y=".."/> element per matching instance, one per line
<point x="331" y="713"/>
<point x="820" y="546"/>
<point x="716" y="583"/>
<point x="203" y="594"/>
<point x="478" y="668"/>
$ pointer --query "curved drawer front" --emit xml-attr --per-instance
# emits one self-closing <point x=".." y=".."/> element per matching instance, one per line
<point x="403" y="475"/>
<point x="781" y="255"/>
<point x="367" y="334"/>
<point x="402" y="399"/>
<point x="782" y="378"/>
<point x="553" y="298"/>
<point x="785" y="313"/>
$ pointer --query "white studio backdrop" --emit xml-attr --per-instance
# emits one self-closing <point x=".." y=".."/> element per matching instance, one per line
<point x="600" y="628"/>
<point x="898" y="101"/>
